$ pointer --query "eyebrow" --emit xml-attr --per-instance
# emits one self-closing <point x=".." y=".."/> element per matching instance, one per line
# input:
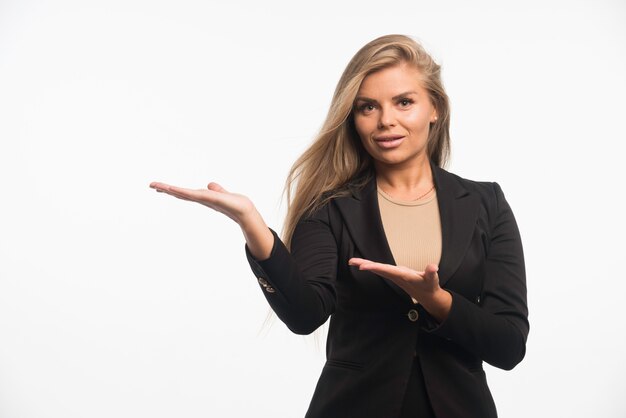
<point x="367" y="99"/>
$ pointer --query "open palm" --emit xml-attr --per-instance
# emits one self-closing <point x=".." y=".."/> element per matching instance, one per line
<point x="233" y="205"/>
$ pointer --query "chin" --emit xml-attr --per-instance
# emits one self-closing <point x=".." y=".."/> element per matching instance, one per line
<point x="391" y="160"/>
<point x="399" y="159"/>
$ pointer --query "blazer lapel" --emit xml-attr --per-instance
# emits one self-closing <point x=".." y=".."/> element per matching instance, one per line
<point x="458" y="210"/>
<point x="361" y="215"/>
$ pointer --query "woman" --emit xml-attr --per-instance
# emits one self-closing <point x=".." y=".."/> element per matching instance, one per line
<point x="421" y="271"/>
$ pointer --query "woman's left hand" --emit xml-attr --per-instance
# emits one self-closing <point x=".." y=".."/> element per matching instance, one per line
<point x="420" y="285"/>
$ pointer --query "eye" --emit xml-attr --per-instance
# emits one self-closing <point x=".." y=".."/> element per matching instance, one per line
<point x="405" y="102"/>
<point x="366" y="107"/>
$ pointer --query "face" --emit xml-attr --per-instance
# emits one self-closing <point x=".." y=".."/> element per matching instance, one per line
<point x="392" y="115"/>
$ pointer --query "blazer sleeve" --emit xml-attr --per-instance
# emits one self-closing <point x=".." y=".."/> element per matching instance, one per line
<point x="300" y="285"/>
<point x="496" y="328"/>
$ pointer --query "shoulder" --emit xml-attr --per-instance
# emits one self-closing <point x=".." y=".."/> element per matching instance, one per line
<point x="489" y="192"/>
<point x="475" y="186"/>
<point x="322" y="209"/>
<point x="351" y="190"/>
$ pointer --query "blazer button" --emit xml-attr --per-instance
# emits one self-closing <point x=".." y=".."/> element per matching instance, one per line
<point x="413" y="315"/>
<point x="262" y="282"/>
<point x="270" y="289"/>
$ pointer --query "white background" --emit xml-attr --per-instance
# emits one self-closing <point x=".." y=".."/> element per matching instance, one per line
<point x="118" y="301"/>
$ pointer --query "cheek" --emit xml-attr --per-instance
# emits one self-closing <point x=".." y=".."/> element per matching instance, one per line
<point x="417" y="126"/>
<point x="415" y="120"/>
<point x="362" y="127"/>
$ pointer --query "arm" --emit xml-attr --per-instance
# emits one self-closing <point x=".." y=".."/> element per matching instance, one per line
<point x="302" y="282"/>
<point x="299" y="287"/>
<point x="237" y="207"/>
<point x="496" y="329"/>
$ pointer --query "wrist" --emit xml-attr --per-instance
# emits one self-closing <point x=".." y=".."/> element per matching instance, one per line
<point x="439" y="304"/>
<point x="257" y="234"/>
<point x="250" y="219"/>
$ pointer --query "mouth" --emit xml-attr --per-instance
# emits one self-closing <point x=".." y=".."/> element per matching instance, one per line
<point x="389" y="141"/>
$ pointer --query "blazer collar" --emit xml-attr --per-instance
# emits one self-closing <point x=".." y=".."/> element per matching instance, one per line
<point x="458" y="209"/>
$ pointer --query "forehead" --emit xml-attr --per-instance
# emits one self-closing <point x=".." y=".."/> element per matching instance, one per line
<point x="391" y="81"/>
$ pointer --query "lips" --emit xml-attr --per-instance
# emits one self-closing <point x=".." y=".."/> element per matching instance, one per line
<point x="386" y="138"/>
<point x="388" y="141"/>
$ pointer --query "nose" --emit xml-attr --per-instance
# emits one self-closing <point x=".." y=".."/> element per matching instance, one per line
<point x="386" y="117"/>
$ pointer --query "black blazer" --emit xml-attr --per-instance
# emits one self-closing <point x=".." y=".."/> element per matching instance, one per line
<point x="375" y="329"/>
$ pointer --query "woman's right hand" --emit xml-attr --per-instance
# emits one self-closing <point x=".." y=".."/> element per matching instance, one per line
<point x="237" y="207"/>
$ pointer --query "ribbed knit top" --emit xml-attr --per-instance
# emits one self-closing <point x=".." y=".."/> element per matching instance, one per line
<point x="413" y="229"/>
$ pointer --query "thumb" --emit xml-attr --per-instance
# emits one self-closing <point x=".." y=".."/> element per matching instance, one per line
<point x="216" y="187"/>
<point x="431" y="271"/>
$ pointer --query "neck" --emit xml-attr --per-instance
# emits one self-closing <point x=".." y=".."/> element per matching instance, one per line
<point x="407" y="180"/>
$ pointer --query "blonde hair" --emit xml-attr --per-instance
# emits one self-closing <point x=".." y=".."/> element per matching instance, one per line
<point x="336" y="157"/>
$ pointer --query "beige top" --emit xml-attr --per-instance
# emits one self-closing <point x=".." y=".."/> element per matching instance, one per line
<point x="413" y="229"/>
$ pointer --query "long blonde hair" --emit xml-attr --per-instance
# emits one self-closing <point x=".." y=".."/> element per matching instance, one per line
<point x="336" y="157"/>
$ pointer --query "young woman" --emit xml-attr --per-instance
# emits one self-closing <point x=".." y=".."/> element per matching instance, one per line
<point x="421" y="271"/>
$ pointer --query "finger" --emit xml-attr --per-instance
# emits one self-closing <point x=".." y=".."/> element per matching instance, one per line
<point x="178" y="192"/>
<point x="385" y="270"/>
<point x="431" y="268"/>
<point x="165" y="188"/>
<point x="171" y="190"/>
<point x="362" y="263"/>
<point x="177" y="195"/>
<point x="369" y="265"/>
<point x="159" y="186"/>
<point x="200" y="196"/>
<point x="355" y="261"/>
<point x="216" y="187"/>
<point x="397" y="274"/>
<point x="430" y="272"/>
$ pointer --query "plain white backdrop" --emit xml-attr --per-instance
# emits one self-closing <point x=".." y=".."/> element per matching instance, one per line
<point x="116" y="301"/>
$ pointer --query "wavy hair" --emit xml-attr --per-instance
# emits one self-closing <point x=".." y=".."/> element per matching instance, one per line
<point x="336" y="157"/>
